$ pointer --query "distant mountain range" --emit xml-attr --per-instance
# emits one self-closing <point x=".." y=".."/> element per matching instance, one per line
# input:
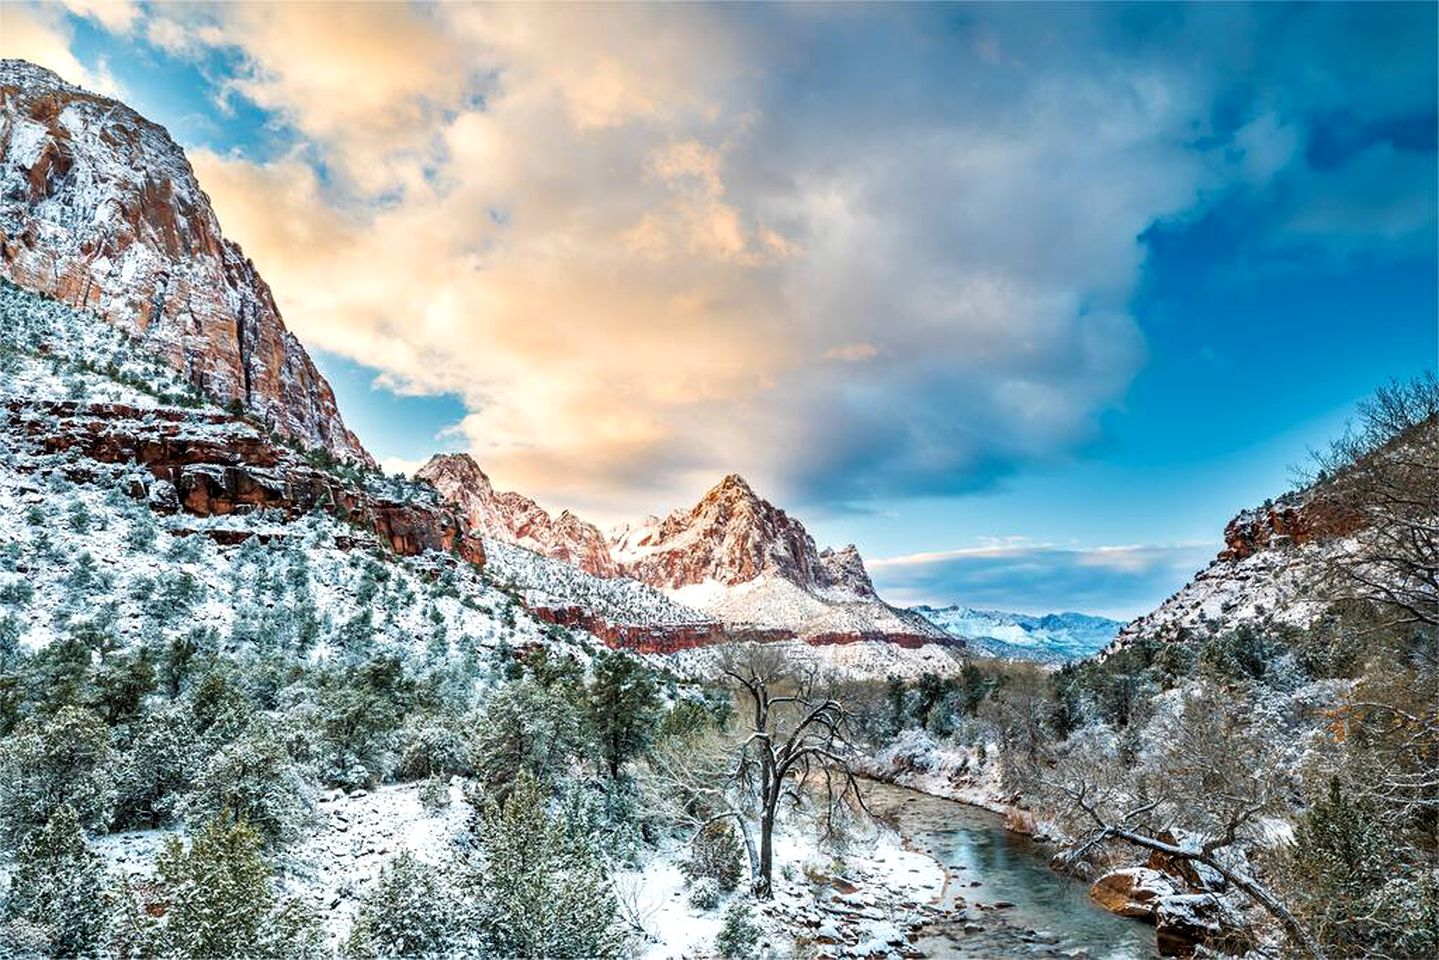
<point x="1051" y="638"/>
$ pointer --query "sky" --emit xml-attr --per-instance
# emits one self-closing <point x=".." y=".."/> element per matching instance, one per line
<point x="1024" y="300"/>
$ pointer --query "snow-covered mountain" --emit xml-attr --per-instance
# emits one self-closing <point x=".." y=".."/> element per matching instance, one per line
<point x="732" y="536"/>
<point x="515" y="518"/>
<point x="100" y="209"/>
<point x="741" y="559"/>
<point x="1268" y="573"/>
<point x="734" y="557"/>
<point x="1053" y="637"/>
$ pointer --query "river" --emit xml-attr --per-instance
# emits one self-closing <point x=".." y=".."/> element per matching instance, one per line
<point x="1052" y="915"/>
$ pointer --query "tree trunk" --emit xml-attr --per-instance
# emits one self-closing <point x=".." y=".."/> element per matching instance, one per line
<point x="763" y="888"/>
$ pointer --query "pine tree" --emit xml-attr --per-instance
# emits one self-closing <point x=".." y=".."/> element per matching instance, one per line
<point x="716" y="854"/>
<point x="159" y="766"/>
<point x="221" y="899"/>
<point x="540" y="887"/>
<point x="49" y="763"/>
<point x="408" y="912"/>
<point x="623" y="707"/>
<point x="525" y="728"/>
<point x="57" y="897"/>
<point x="739" y="935"/>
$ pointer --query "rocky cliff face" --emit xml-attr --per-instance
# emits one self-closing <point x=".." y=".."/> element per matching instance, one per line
<point x="207" y="463"/>
<point x="1294" y="519"/>
<point x="517" y="519"/>
<point x="733" y="536"/>
<point x="100" y="209"/>
<point x="1269" y="572"/>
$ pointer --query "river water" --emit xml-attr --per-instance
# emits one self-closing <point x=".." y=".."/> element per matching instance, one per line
<point x="1052" y="915"/>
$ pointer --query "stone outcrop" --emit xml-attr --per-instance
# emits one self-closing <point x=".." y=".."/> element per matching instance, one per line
<point x="207" y="463"/>
<point x="100" y="209"/>
<point x="1293" y="520"/>
<point x="638" y="638"/>
<point x="515" y="518"/>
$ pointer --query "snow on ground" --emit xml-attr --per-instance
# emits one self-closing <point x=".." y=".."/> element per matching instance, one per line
<point x="865" y="899"/>
<point x="861" y="902"/>
<point x="542" y="581"/>
<point x="360" y="833"/>
<point x="917" y="761"/>
<point x="863" y="659"/>
<point x="355" y="835"/>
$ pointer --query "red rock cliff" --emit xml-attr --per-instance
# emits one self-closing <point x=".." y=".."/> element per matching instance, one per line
<point x="100" y="209"/>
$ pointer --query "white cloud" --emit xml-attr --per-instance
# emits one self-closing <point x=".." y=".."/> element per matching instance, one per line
<point x="42" y="35"/>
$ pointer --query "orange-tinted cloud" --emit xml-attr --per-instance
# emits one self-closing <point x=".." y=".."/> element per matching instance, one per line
<point x="642" y="262"/>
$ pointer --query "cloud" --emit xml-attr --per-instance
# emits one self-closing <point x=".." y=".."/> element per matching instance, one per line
<point x="117" y="16"/>
<point x="1032" y="577"/>
<point x="639" y="278"/>
<point x="43" y="36"/>
<point x="850" y="253"/>
<point x="401" y="465"/>
<point x="851" y="352"/>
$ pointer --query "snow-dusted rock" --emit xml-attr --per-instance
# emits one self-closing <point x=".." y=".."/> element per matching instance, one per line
<point x="1133" y="891"/>
<point x="100" y="209"/>
<point x="515" y="518"/>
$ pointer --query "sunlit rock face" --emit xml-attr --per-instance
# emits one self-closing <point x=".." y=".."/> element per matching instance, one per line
<point x="733" y="536"/>
<point x="515" y="518"/>
<point x="100" y="209"/>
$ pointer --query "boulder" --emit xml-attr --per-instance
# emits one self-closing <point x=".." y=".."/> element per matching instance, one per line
<point x="1187" y="920"/>
<point x="1132" y="892"/>
<point x="1020" y="821"/>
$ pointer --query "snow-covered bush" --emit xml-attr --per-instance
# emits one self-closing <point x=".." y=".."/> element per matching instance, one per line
<point x="157" y="768"/>
<point x="705" y="893"/>
<point x="54" y="762"/>
<point x="56" y="903"/>
<point x="432" y="745"/>
<point x="222" y="900"/>
<point x="716" y="853"/>
<point x="408" y="912"/>
<point x="254" y="779"/>
<point x="739" y="934"/>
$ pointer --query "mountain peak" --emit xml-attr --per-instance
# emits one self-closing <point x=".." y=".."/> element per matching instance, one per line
<point x="461" y="466"/>
<point x="732" y="486"/>
<point x="732" y="536"/>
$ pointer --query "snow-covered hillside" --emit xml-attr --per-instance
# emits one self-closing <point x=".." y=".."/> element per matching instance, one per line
<point x="543" y="582"/>
<point x="79" y="551"/>
<point x="1051" y="638"/>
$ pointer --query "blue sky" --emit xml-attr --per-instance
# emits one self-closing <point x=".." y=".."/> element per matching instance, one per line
<point x="1025" y="301"/>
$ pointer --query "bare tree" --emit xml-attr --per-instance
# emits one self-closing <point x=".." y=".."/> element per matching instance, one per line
<point x="693" y="779"/>
<point x="1382" y="478"/>
<point x="798" y="740"/>
<point x="1215" y="779"/>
